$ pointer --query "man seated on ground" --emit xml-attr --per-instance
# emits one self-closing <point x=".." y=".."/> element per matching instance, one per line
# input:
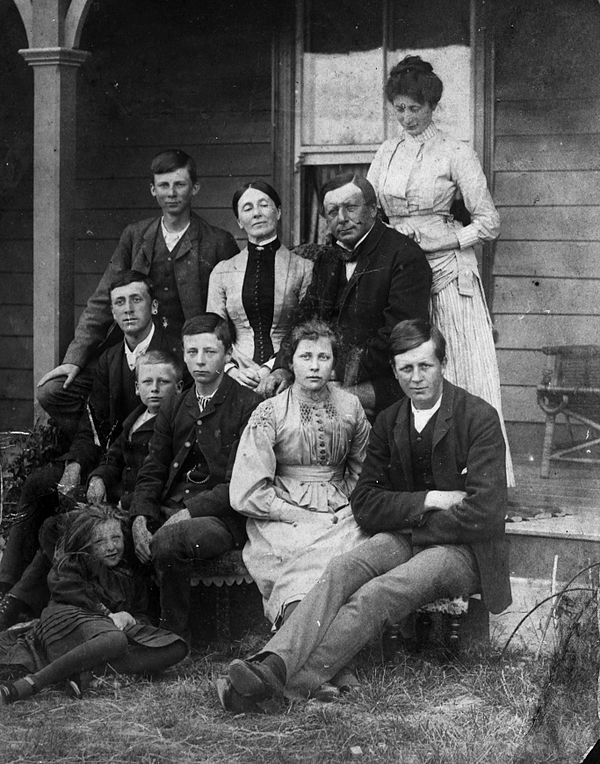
<point x="180" y="508"/>
<point x="112" y="398"/>
<point x="158" y="377"/>
<point x="177" y="251"/>
<point x="433" y="494"/>
<point x="373" y="278"/>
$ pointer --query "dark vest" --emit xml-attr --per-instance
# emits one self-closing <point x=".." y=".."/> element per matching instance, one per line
<point x="421" y="446"/>
<point x="170" y="313"/>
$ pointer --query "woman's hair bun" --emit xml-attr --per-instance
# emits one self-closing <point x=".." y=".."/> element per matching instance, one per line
<point x="414" y="63"/>
<point x="415" y="78"/>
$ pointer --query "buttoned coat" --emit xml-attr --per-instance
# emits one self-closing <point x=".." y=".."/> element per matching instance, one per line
<point x="200" y="248"/>
<point x="391" y="282"/>
<point x="216" y="431"/>
<point x="119" y="468"/>
<point x="108" y="400"/>
<point x="467" y="455"/>
<point x="292" y="279"/>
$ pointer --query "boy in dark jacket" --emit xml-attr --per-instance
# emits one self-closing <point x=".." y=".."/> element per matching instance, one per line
<point x="158" y="377"/>
<point x="180" y="510"/>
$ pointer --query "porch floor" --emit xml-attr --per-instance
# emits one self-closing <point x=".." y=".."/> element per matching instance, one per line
<point x="571" y="489"/>
<point x="548" y="545"/>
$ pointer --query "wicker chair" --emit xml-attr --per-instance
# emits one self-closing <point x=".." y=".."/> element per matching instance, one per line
<point x="571" y="387"/>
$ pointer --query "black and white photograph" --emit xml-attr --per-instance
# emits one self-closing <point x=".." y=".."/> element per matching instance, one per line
<point x="300" y="381"/>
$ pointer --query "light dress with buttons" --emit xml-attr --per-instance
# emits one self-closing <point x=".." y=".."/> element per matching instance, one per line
<point x="297" y="463"/>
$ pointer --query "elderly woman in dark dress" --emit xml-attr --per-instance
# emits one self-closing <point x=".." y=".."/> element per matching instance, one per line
<point x="258" y="289"/>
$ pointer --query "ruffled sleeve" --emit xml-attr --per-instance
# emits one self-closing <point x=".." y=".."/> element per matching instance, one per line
<point x="251" y="490"/>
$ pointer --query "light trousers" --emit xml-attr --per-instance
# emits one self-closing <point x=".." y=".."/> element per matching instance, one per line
<point x="380" y="582"/>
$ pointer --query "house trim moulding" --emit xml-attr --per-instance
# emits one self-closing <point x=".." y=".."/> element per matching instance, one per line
<point x="54" y="56"/>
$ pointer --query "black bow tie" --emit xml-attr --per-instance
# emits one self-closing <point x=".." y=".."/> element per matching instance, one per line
<point x="347" y="255"/>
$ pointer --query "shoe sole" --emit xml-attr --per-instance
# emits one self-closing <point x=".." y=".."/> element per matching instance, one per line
<point x="246" y="682"/>
<point x="232" y="704"/>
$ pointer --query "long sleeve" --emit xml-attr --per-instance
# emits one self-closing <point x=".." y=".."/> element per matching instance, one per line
<point x="358" y="449"/>
<point x="84" y="448"/>
<point x="96" y="317"/>
<point x="216" y="302"/>
<point x="480" y="515"/>
<point x="111" y="468"/>
<point x="376" y="504"/>
<point x="469" y="177"/>
<point x="217" y="501"/>
<point x="155" y="470"/>
<point x="73" y="582"/>
<point x="408" y="298"/>
<point x="252" y="492"/>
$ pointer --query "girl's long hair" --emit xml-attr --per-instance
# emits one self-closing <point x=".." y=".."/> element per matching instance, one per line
<point x="76" y="538"/>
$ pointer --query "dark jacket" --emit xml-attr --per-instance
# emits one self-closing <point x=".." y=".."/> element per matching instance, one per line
<point x="83" y="582"/>
<point x="216" y="431"/>
<point x="119" y="469"/>
<point x="107" y="403"/>
<point x="200" y="248"/>
<point x="391" y="282"/>
<point x="468" y="455"/>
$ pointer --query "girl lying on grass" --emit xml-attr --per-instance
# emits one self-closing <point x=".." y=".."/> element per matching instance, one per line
<point x="95" y="616"/>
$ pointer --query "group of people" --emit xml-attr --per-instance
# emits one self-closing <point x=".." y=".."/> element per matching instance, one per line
<point x="338" y="420"/>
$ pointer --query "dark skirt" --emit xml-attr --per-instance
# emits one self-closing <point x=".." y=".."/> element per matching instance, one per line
<point x="61" y="628"/>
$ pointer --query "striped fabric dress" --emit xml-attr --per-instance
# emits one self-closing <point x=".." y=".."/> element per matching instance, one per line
<point x="416" y="179"/>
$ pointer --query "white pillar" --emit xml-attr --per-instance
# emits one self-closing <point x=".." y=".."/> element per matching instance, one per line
<point x="55" y="97"/>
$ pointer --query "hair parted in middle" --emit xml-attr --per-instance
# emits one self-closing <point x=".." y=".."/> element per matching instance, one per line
<point x="208" y="323"/>
<point x="409" y="334"/>
<point x="367" y="190"/>
<point x="416" y="79"/>
<point x="259" y="185"/>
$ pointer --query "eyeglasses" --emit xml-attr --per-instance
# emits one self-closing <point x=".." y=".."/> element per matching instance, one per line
<point x="331" y="213"/>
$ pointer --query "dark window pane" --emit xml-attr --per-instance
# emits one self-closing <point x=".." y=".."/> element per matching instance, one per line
<point x="429" y="23"/>
<point x="344" y="26"/>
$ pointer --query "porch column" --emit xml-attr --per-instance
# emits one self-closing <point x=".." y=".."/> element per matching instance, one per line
<point x="55" y="79"/>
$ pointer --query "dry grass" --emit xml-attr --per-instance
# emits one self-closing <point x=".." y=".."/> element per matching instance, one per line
<point x="416" y="709"/>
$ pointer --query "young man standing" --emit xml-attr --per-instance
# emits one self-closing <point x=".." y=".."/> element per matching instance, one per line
<point x="180" y="509"/>
<point x="177" y="251"/>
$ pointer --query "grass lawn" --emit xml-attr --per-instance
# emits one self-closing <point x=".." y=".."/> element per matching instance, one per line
<point x="416" y="708"/>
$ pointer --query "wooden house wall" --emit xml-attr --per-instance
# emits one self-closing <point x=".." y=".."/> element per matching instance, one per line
<point x="192" y="75"/>
<point x="16" y="220"/>
<point x="546" y="174"/>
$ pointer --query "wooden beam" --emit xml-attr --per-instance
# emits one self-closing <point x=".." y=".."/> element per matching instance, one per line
<point x="283" y="110"/>
<point x="483" y="117"/>
<point x="55" y="77"/>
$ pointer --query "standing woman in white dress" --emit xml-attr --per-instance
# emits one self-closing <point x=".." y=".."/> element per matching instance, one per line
<point x="258" y="289"/>
<point x="417" y="177"/>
